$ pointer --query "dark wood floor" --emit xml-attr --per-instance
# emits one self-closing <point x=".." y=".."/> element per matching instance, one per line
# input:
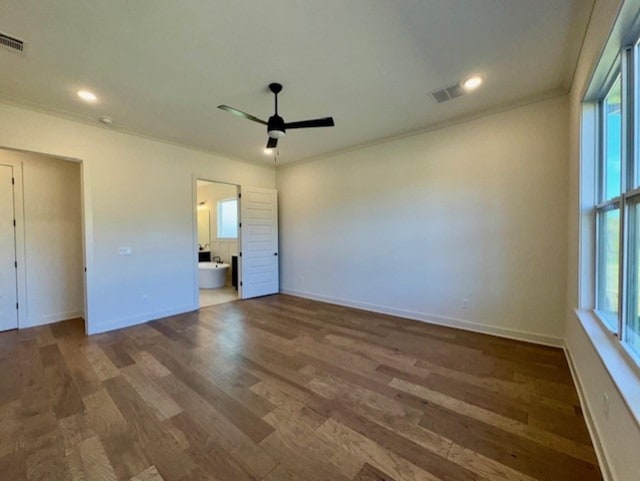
<point x="282" y="388"/>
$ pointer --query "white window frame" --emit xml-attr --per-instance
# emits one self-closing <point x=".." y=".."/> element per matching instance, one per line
<point x="626" y="67"/>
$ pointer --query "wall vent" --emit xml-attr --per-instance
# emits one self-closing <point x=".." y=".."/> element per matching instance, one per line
<point x="12" y="43"/>
<point x="448" y="93"/>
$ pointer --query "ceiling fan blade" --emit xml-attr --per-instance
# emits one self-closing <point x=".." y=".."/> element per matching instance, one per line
<point x="242" y="114"/>
<point x="303" y="124"/>
<point x="272" y="143"/>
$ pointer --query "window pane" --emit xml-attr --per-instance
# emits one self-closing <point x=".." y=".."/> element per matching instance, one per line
<point x="228" y="219"/>
<point x="608" y="257"/>
<point x="612" y="141"/>
<point x="632" y="325"/>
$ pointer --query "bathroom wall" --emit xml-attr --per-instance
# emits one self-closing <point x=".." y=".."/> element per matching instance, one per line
<point x="138" y="193"/>
<point x="211" y="193"/>
<point x="52" y="227"/>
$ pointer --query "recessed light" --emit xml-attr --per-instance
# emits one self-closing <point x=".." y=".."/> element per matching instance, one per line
<point x="268" y="151"/>
<point x="87" y="96"/>
<point x="472" y="83"/>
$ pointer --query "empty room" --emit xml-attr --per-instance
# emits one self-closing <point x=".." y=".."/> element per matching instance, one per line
<point x="364" y="240"/>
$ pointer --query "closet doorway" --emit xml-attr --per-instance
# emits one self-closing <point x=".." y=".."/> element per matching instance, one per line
<point x="42" y="277"/>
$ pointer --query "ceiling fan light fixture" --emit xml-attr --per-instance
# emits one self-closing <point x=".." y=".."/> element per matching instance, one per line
<point x="276" y="126"/>
<point x="276" y="134"/>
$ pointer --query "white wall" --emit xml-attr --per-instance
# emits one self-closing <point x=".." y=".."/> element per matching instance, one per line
<point x="616" y="435"/>
<point x="52" y="237"/>
<point x="412" y="226"/>
<point x="137" y="193"/>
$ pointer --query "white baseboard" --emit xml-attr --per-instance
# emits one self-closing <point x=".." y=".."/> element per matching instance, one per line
<point x="586" y="411"/>
<point x="50" y="319"/>
<point x="435" y="319"/>
<point x="134" y="320"/>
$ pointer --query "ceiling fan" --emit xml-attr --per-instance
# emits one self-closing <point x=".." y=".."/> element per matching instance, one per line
<point x="276" y="126"/>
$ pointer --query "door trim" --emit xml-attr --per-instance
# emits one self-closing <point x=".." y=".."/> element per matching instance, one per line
<point x="20" y="253"/>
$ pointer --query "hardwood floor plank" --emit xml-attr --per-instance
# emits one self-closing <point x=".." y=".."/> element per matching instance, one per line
<point x="250" y="455"/>
<point x="75" y="429"/>
<point x="149" y="474"/>
<point x="525" y="431"/>
<point x="150" y="364"/>
<point x="297" y="459"/>
<point x="170" y="458"/>
<point x="208" y="452"/>
<point x="162" y="405"/>
<point x="238" y="414"/>
<point x="100" y="362"/>
<point x="14" y="466"/>
<point x="85" y="377"/>
<point x="370" y="452"/>
<point x="45" y="458"/>
<point x="75" y="467"/>
<point x="369" y="473"/>
<point x="293" y="426"/>
<point x="103" y="414"/>
<point x="10" y="428"/>
<point x="281" y="388"/>
<point x="439" y="466"/>
<point x="124" y="450"/>
<point x="133" y="408"/>
<point x="95" y="461"/>
<point x="498" y="403"/>
<point x="65" y="396"/>
<point x="521" y="454"/>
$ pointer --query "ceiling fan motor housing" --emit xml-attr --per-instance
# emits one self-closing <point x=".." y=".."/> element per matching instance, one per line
<point x="275" y="127"/>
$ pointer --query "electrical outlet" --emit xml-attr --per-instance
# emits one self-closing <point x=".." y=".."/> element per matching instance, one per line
<point x="605" y="404"/>
<point x="124" y="251"/>
<point x="465" y="303"/>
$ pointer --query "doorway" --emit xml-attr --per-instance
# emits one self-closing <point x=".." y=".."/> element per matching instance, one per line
<point x="8" y="263"/>
<point x="41" y="240"/>
<point x="217" y="242"/>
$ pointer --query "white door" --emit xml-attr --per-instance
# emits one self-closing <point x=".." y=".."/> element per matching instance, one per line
<point x="8" y="280"/>
<point x="259" y="274"/>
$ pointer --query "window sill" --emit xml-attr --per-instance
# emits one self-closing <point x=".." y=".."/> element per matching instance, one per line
<point x="624" y="371"/>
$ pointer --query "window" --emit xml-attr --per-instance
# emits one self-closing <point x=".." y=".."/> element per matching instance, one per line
<point x="228" y="219"/>
<point x="617" y="207"/>
<point x="608" y="210"/>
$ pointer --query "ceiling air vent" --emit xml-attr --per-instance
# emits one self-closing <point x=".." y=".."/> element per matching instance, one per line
<point x="447" y="93"/>
<point x="11" y="43"/>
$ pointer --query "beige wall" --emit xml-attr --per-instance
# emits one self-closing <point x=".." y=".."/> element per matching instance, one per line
<point x="137" y="193"/>
<point x="412" y="227"/>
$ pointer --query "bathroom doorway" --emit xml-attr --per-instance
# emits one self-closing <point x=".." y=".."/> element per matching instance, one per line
<point x="217" y="242"/>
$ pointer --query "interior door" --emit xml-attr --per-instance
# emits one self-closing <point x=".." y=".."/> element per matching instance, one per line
<point x="259" y="268"/>
<point x="8" y="279"/>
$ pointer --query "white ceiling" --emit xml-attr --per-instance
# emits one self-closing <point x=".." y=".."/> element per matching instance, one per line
<point x="161" y="67"/>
